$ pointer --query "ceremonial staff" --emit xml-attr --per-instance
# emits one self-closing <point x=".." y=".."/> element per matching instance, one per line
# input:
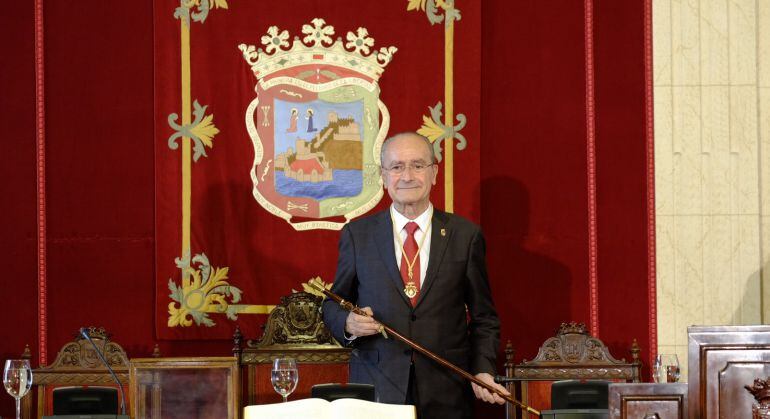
<point x="355" y="309"/>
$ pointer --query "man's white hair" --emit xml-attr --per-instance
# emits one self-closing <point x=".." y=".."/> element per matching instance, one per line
<point x="407" y="134"/>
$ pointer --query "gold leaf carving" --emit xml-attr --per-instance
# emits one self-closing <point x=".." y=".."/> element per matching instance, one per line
<point x="205" y="130"/>
<point x="430" y="129"/>
<point x="416" y="5"/>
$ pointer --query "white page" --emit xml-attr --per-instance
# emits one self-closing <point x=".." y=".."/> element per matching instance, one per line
<point x="298" y="409"/>
<point x="361" y="409"/>
<point x="321" y="409"/>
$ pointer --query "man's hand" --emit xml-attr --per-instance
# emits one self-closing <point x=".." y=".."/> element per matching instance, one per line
<point x="358" y="325"/>
<point x="486" y="395"/>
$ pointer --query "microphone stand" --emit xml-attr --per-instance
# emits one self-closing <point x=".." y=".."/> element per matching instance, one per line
<point x="85" y="334"/>
<point x="348" y="306"/>
<point x="501" y="379"/>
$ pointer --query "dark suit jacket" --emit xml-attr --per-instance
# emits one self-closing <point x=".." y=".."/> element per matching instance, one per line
<point x="368" y="275"/>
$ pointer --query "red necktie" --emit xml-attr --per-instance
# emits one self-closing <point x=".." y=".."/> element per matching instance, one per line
<point x="410" y="250"/>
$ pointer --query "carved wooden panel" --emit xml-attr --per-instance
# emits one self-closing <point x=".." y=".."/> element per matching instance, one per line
<point x="296" y="320"/>
<point x="294" y="328"/>
<point x="79" y="355"/>
<point x="732" y="379"/>
<point x="722" y="360"/>
<point x="574" y="354"/>
<point x="645" y="400"/>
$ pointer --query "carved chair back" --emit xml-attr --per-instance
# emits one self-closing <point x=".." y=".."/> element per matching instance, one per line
<point x="77" y="364"/>
<point x="572" y="354"/>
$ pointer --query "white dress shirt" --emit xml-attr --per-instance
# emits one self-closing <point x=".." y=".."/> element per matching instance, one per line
<point x="423" y="221"/>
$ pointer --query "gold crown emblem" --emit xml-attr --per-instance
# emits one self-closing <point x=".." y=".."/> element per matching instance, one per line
<point x="96" y="333"/>
<point x="572" y="328"/>
<point x="356" y="53"/>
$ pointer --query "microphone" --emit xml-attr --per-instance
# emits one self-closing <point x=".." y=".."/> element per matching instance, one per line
<point x="87" y="336"/>
<point x="500" y="379"/>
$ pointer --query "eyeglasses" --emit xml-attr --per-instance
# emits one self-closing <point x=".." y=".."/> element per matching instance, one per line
<point x="398" y="169"/>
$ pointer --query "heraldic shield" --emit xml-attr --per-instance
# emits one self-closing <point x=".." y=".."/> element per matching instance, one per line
<point x="317" y="125"/>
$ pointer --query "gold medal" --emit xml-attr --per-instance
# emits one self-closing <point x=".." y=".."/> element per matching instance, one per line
<point x="410" y="290"/>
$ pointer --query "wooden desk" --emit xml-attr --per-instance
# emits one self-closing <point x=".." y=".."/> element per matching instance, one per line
<point x="644" y="400"/>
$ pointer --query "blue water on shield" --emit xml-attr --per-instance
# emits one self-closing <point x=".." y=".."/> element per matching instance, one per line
<point x="301" y="124"/>
<point x="345" y="183"/>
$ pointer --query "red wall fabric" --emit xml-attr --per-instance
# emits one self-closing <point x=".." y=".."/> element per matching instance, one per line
<point x="534" y="205"/>
<point x="526" y="185"/>
<point x="18" y="230"/>
<point x="99" y="172"/>
<point x="533" y="170"/>
<point x="621" y="177"/>
<point x="537" y="179"/>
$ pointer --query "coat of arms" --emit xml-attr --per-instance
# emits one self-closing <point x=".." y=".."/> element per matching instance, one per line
<point x="317" y="125"/>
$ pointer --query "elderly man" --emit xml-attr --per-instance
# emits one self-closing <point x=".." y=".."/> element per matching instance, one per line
<point x="423" y="272"/>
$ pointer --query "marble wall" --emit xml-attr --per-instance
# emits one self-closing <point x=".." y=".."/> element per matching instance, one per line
<point x="711" y="71"/>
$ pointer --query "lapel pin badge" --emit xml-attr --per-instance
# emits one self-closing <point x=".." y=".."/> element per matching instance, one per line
<point x="443" y="232"/>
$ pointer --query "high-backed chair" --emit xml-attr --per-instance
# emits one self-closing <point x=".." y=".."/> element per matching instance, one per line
<point x="77" y="364"/>
<point x="294" y="329"/>
<point x="572" y="354"/>
<point x="721" y="361"/>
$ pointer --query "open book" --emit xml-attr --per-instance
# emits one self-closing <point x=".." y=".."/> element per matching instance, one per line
<point x="322" y="409"/>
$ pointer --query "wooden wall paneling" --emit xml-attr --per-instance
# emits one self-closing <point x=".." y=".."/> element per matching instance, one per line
<point x="723" y="359"/>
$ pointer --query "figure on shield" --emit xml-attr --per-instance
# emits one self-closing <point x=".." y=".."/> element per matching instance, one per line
<point x="309" y="118"/>
<point x="293" y="120"/>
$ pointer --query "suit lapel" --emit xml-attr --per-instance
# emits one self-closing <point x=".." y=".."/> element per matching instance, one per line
<point x="386" y="245"/>
<point x="439" y="238"/>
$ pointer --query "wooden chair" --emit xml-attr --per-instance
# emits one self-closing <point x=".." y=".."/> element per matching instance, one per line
<point x="721" y="361"/>
<point x="77" y="364"/>
<point x="294" y="329"/>
<point x="572" y="354"/>
<point x="185" y="388"/>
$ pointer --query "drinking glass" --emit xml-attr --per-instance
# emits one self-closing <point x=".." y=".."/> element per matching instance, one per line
<point x="17" y="379"/>
<point x="666" y="368"/>
<point x="284" y="376"/>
